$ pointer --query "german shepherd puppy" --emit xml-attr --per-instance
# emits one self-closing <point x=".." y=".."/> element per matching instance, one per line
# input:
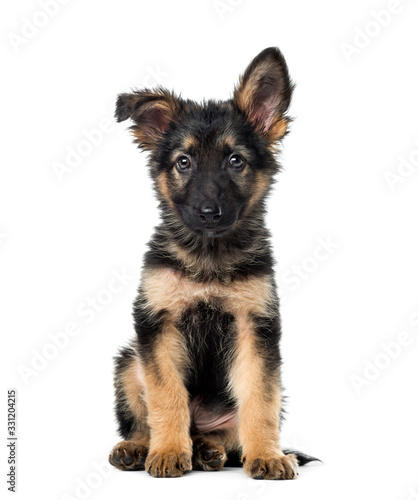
<point x="200" y="384"/>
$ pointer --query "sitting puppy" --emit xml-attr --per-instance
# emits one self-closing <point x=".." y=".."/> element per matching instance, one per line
<point x="200" y="384"/>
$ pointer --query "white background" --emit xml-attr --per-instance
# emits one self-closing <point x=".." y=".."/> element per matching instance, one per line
<point x="62" y="237"/>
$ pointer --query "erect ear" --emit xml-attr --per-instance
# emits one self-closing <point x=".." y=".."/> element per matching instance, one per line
<point x="151" y="111"/>
<point x="263" y="93"/>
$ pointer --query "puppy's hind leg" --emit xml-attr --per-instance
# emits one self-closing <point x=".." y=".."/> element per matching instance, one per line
<point x="208" y="454"/>
<point x="131" y="413"/>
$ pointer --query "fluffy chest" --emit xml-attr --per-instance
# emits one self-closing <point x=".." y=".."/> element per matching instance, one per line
<point x="173" y="292"/>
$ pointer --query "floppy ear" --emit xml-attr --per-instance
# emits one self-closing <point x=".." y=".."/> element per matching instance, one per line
<point x="151" y="111"/>
<point x="264" y="92"/>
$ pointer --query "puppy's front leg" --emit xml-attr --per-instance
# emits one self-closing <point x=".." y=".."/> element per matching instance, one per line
<point x="170" y="452"/>
<point x="255" y="382"/>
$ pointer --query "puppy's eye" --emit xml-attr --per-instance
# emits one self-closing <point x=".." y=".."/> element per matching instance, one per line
<point x="237" y="162"/>
<point x="183" y="163"/>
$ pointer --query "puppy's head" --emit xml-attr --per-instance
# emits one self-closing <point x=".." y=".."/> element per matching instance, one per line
<point x="213" y="163"/>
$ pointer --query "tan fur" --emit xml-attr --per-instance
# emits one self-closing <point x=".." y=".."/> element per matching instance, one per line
<point x="172" y="291"/>
<point x="190" y="142"/>
<point x="258" y="411"/>
<point x="278" y="130"/>
<point x="259" y="189"/>
<point x="163" y="186"/>
<point x="163" y="189"/>
<point x="168" y="416"/>
<point x="245" y="90"/>
<point x="227" y="140"/>
<point x="133" y="387"/>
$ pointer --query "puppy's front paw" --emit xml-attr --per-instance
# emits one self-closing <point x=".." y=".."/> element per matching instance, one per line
<point x="276" y="467"/>
<point x="168" y="464"/>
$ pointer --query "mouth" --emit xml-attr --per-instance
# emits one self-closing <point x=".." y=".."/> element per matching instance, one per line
<point x="213" y="231"/>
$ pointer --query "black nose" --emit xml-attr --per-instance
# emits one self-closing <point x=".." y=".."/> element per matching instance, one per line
<point x="209" y="213"/>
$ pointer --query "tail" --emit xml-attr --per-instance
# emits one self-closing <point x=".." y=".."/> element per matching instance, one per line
<point x="234" y="458"/>
<point x="301" y="457"/>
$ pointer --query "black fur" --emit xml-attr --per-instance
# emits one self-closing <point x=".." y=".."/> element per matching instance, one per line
<point x="126" y="420"/>
<point x="207" y="351"/>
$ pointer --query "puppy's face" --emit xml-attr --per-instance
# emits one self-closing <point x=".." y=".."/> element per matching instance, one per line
<point x="213" y="169"/>
<point x="213" y="163"/>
